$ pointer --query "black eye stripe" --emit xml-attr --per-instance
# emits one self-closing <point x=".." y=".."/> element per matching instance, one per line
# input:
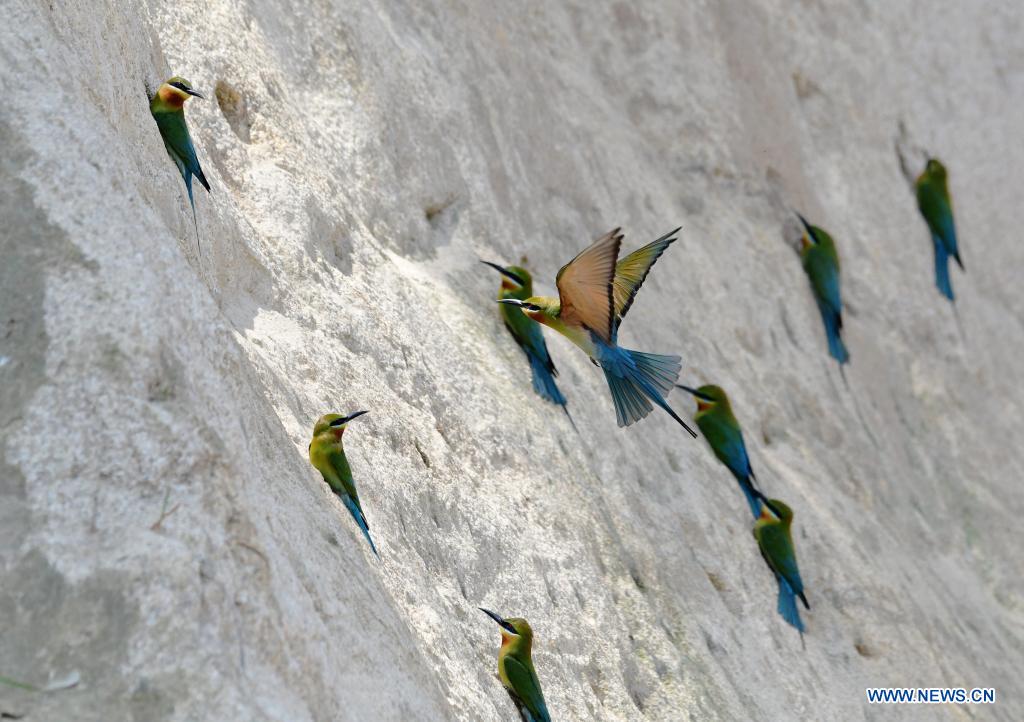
<point x="337" y="422"/>
<point x="179" y="86"/>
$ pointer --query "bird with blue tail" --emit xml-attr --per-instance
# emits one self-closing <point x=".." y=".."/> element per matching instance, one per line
<point x="327" y="455"/>
<point x="517" y="283"/>
<point x="168" y="109"/>
<point x="821" y="263"/>
<point x="515" y="667"/>
<point x="719" y="426"/>
<point x="595" y="291"/>
<point x="773" y="532"/>
<point x="937" y="208"/>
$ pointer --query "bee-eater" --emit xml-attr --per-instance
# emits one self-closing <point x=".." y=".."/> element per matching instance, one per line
<point x="168" y="108"/>
<point x="716" y="421"/>
<point x="517" y="283"/>
<point x="515" y="667"/>
<point x="594" y="294"/>
<point x="937" y="209"/>
<point x="773" y="534"/>
<point x="821" y="262"/>
<point x="327" y="455"/>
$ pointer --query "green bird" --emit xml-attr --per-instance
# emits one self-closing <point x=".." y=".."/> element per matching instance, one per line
<point x="517" y="283"/>
<point x="168" y="109"/>
<point x="773" y="534"/>
<point x="515" y="667"/>
<point x="937" y="209"/>
<point x="327" y="455"/>
<point x="821" y="263"/>
<point x="716" y="421"/>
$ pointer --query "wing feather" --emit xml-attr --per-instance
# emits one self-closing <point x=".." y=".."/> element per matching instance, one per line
<point x="526" y="687"/>
<point x="631" y="271"/>
<point x="585" y="286"/>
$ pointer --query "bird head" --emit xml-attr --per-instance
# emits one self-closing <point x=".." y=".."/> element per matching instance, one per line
<point x="513" y="278"/>
<point x="539" y="308"/>
<point x="708" y="397"/>
<point x="176" y="91"/>
<point x="778" y="509"/>
<point x="334" y="423"/>
<point x="935" y="169"/>
<point x="810" y="237"/>
<point x="511" y="629"/>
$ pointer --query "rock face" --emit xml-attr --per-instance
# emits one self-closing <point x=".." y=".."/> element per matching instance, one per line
<point x="162" y="535"/>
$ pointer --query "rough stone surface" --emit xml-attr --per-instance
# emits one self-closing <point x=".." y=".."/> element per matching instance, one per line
<point x="162" y="532"/>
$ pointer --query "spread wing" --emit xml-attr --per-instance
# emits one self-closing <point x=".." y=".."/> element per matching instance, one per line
<point x="585" y="286"/>
<point x="631" y="271"/>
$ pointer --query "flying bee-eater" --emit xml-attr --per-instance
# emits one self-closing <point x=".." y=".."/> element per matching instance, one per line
<point x="773" y="533"/>
<point x="327" y="455"/>
<point x="517" y="283"/>
<point x="594" y="294"/>
<point x="515" y="667"/>
<point x="937" y="209"/>
<point x="821" y="262"/>
<point x="168" y="108"/>
<point x="716" y="421"/>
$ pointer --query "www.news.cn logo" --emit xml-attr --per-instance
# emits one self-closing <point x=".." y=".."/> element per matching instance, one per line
<point x="930" y="695"/>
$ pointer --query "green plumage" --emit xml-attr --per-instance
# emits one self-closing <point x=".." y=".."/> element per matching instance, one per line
<point x="515" y="667"/>
<point x="937" y="209"/>
<point x="517" y="285"/>
<point x="722" y="431"/>
<point x="719" y="426"/>
<point x="821" y="263"/>
<point x="168" y="109"/>
<point x="327" y="455"/>
<point x="776" y="542"/>
<point x="773" y="532"/>
<point x="524" y="330"/>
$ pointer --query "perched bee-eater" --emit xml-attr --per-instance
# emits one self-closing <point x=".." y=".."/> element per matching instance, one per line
<point x="515" y="667"/>
<point x="821" y="262"/>
<point x="594" y="294"/>
<point x="773" y="535"/>
<point x="715" y="420"/>
<point x="168" y="108"/>
<point x="517" y="283"/>
<point x="937" y="209"/>
<point x="327" y="455"/>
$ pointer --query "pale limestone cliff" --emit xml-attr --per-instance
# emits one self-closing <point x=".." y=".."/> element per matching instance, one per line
<point x="162" y="534"/>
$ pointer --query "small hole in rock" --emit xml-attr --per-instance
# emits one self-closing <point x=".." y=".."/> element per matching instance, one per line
<point x="235" y="109"/>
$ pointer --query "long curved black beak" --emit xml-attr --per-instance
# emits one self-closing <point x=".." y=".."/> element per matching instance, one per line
<point x="695" y="392"/>
<point x="195" y="93"/>
<point x="356" y="415"/>
<point x="768" y="503"/>
<point x="807" y="227"/>
<point x="512" y="302"/>
<point x="505" y="272"/>
<point x="497" y="618"/>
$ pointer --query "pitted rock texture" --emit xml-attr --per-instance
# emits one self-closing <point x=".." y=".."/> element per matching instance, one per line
<point x="164" y="536"/>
